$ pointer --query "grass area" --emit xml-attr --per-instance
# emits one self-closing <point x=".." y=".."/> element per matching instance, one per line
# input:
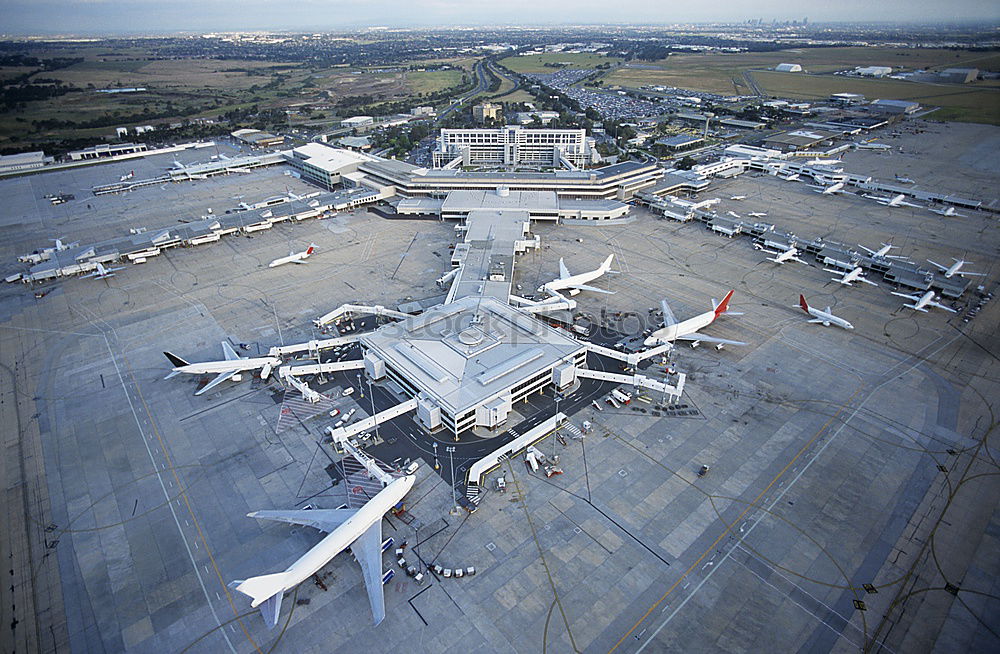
<point x="535" y="63"/>
<point x="431" y="81"/>
<point x="519" y="95"/>
<point x="723" y="73"/>
<point x="173" y="73"/>
<point x="960" y="102"/>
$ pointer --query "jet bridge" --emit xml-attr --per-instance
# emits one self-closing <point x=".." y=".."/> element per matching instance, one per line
<point x="376" y="310"/>
<point x="313" y="346"/>
<point x="636" y="380"/>
<point x="631" y="359"/>
<point x="341" y="434"/>
<point x="316" y="368"/>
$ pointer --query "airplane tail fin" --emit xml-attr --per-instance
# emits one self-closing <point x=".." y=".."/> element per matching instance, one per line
<point x="312" y="246"/>
<point x="803" y="303"/>
<point x="176" y="361"/>
<point x="266" y="592"/>
<point x="723" y="306"/>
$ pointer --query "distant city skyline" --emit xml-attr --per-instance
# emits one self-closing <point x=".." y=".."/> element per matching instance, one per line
<point x="148" y="16"/>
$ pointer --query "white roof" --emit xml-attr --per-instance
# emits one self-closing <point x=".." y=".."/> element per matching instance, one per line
<point x="327" y="158"/>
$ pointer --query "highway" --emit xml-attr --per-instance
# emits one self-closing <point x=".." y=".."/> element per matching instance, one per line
<point x="482" y="84"/>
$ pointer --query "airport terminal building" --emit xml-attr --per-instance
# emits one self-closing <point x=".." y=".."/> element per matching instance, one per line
<point x="467" y="363"/>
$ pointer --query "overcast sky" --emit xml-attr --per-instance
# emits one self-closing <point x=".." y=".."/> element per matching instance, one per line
<point x="146" y="16"/>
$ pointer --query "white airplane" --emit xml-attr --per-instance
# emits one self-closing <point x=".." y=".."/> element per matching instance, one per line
<point x="873" y="146"/>
<point x="920" y="302"/>
<point x="733" y="214"/>
<point x="956" y="269"/>
<point x="781" y="256"/>
<point x="824" y="162"/>
<point x="824" y="318"/>
<point x="895" y="201"/>
<point x="60" y="246"/>
<point x="102" y="272"/>
<point x="847" y="278"/>
<point x="829" y="190"/>
<point x="882" y="252"/>
<point x="578" y="282"/>
<point x="791" y="178"/>
<point x="904" y="180"/>
<point x="757" y="214"/>
<point x="294" y="257"/>
<point x="738" y="197"/>
<point x="949" y="212"/>
<point x="227" y="369"/>
<point x="687" y="330"/>
<point x="359" y="529"/>
<point x="125" y="178"/>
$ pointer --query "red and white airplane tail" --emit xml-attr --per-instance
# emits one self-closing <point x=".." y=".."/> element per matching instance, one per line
<point x="803" y="303"/>
<point x="722" y="308"/>
<point x="312" y="246"/>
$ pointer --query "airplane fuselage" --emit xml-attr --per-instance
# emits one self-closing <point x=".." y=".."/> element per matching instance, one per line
<point x="341" y="538"/>
<point x="209" y="367"/>
<point x="298" y="256"/>
<point x="829" y="318"/>
<point x="683" y="328"/>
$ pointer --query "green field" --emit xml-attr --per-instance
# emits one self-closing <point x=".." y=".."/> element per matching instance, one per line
<point x="431" y="81"/>
<point x="961" y="102"/>
<point x="534" y="63"/>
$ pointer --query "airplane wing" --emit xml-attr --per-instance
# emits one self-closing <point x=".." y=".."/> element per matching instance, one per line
<point x="668" y="315"/>
<point x="299" y="261"/>
<point x="223" y="376"/>
<point x="584" y="287"/>
<point x="697" y="336"/>
<point x="367" y="549"/>
<point x="563" y="270"/>
<point x="230" y="352"/>
<point x="323" y="519"/>
<point x="942" y="306"/>
<point x="912" y="298"/>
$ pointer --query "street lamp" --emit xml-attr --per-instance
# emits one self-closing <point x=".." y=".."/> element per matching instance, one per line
<point x="371" y="395"/>
<point x="437" y="466"/>
<point x="451" y="456"/>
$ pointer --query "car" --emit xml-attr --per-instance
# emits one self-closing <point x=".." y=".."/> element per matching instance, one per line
<point x="348" y="391"/>
<point x="335" y="413"/>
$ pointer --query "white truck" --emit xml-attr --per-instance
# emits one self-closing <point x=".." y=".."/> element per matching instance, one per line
<point x="624" y="398"/>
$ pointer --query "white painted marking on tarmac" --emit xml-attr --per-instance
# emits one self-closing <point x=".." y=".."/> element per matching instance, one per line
<point x="145" y="442"/>
<point x="919" y="359"/>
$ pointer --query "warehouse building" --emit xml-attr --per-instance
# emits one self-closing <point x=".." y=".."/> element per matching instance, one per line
<point x="256" y="138"/>
<point x="106" y="150"/>
<point x="10" y="163"/>
<point x="894" y="106"/>
<point x="873" y="71"/>
<point x="788" y="68"/>
<point x="357" y="121"/>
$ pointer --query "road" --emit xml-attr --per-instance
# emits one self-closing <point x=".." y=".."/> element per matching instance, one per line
<point x="482" y="84"/>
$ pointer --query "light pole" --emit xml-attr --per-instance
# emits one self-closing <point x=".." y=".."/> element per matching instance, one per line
<point x="360" y="387"/>
<point x="437" y="466"/>
<point x="451" y="457"/>
<point x="371" y="395"/>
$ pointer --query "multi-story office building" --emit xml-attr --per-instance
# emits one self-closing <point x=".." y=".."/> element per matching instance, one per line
<point x="514" y="145"/>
